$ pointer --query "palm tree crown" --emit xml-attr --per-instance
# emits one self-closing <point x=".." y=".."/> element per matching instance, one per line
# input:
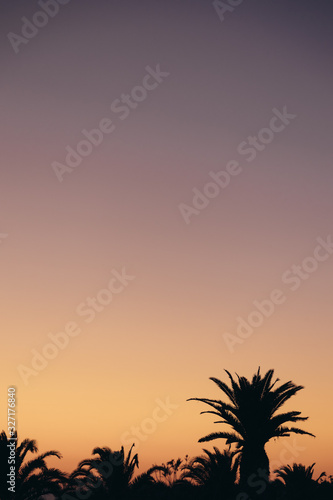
<point x="251" y="414"/>
<point x="109" y="472"/>
<point x="214" y="470"/>
<point x="33" y="477"/>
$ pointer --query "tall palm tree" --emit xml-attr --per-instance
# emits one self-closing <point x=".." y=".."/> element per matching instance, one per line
<point x="107" y="475"/>
<point x="251" y="413"/>
<point x="33" y="478"/>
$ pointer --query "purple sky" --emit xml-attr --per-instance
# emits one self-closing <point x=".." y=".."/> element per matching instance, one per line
<point x="120" y="206"/>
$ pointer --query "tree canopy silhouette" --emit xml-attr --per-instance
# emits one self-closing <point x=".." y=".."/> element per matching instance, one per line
<point x="108" y="474"/>
<point x="251" y="414"/>
<point x="214" y="472"/>
<point x="33" y="477"/>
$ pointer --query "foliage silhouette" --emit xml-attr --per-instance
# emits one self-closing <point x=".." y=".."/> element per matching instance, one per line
<point x="298" y="481"/>
<point x="215" y="475"/>
<point x="107" y="475"/>
<point x="33" y="477"/>
<point x="251" y="413"/>
<point x="214" y="472"/>
<point x="166" y="473"/>
<point x="164" y="482"/>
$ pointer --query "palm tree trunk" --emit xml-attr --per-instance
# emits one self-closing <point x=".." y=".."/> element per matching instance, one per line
<point x="254" y="468"/>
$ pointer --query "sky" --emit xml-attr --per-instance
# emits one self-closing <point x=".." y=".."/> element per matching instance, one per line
<point x="165" y="178"/>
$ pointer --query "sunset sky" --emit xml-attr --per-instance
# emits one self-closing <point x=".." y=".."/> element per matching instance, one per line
<point x="201" y="88"/>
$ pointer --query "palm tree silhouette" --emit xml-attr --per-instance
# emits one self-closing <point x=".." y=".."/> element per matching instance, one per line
<point x="164" y="482"/>
<point x="166" y="473"/>
<point x="107" y="475"/>
<point x="251" y="413"/>
<point x="299" y="482"/>
<point x="33" y="477"/>
<point x="213" y="473"/>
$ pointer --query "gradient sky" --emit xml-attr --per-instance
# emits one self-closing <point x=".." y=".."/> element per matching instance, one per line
<point x="163" y="335"/>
